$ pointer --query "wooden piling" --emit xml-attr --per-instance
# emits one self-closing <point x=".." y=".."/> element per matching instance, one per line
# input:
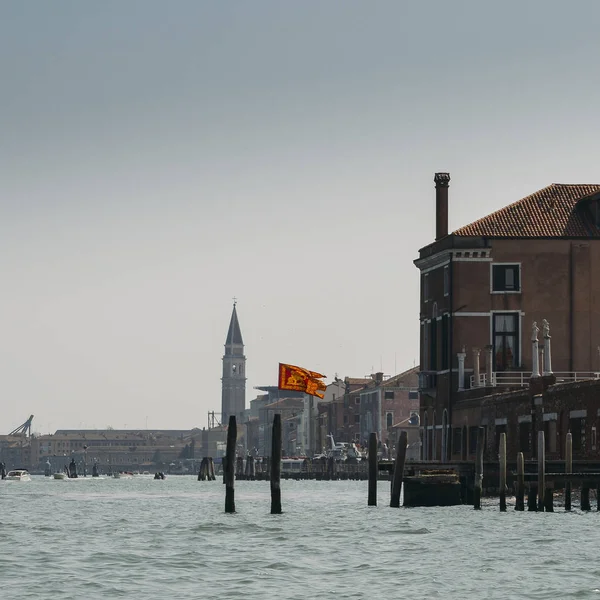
<point x="541" y="470"/>
<point x="399" y="470"/>
<point x="568" y="468"/>
<point x="250" y="472"/>
<point x="478" y="483"/>
<point x="229" y="471"/>
<point x="239" y="469"/>
<point x="585" y="497"/>
<point x="203" y="470"/>
<point x="373" y="470"/>
<point x="276" y="466"/>
<point x="520" y="497"/>
<point x="211" y="469"/>
<point x="502" y="472"/>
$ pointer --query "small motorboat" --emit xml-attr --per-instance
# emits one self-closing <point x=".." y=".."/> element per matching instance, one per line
<point x="60" y="475"/>
<point x="18" y="475"/>
<point x="123" y="475"/>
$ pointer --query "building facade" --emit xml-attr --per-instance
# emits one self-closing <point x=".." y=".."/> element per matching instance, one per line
<point x="483" y="286"/>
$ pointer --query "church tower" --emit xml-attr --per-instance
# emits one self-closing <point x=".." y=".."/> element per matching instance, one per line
<point x="233" y="382"/>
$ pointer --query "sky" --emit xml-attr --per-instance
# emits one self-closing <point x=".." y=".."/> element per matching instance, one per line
<point x="158" y="159"/>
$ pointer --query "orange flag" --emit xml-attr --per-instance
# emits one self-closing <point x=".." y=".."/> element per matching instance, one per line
<point x="301" y="380"/>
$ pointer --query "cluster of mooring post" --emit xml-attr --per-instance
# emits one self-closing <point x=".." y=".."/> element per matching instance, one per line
<point x="398" y="474"/>
<point x="540" y="486"/>
<point x="230" y="465"/>
<point x="207" y="470"/>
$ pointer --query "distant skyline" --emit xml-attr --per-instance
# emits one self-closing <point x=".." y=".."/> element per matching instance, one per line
<point x="158" y="160"/>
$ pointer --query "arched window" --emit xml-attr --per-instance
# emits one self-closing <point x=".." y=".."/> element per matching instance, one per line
<point x="445" y="436"/>
<point x="433" y="439"/>
<point x="425" y="437"/>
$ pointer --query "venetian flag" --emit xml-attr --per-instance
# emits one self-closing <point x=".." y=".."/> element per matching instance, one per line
<point x="301" y="380"/>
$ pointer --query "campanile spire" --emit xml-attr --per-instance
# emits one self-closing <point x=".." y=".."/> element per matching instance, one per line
<point x="233" y="382"/>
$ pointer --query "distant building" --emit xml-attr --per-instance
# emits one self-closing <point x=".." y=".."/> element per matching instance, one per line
<point x="233" y="382"/>
<point x="113" y="449"/>
<point x="270" y="403"/>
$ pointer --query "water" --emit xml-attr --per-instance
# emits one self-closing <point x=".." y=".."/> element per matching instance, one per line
<point x="144" y="539"/>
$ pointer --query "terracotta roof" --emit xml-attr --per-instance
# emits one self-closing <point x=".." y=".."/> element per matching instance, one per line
<point x="549" y="212"/>
<point x="292" y="403"/>
<point x="357" y="380"/>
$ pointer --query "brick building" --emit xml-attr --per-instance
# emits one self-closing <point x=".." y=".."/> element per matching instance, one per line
<point x="483" y="286"/>
<point x="522" y="413"/>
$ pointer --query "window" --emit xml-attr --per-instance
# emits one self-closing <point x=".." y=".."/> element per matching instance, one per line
<point x="345" y="419"/>
<point x="389" y="395"/>
<point x="425" y="362"/>
<point x="389" y="420"/>
<point x="357" y="400"/>
<point x="445" y="342"/>
<point x="506" y="338"/>
<point x="433" y="346"/>
<point x="413" y="395"/>
<point x="578" y="434"/>
<point x="446" y="280"/>
<point x="357" y="419"/>
<point x="500" y="429"/>
<point x="426" y="287"/>
<point x="456" y="440"/>
<point x="506" y="278"/>
<point x="524" y="437"/>
<point x="473" y="431"/>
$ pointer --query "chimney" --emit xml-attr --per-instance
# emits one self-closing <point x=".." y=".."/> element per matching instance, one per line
<point x="442" y="181"/>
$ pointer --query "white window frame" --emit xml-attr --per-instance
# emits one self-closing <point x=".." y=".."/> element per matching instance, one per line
<point x="505" y="264"/>
<point x="446" y="280"/>
<point x="519" y="337"/>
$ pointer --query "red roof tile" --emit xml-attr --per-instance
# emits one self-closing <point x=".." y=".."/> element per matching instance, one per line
<point x="549" y="212"/>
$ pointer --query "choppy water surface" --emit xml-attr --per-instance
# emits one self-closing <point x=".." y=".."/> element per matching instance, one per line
<point x="145" y="539"/>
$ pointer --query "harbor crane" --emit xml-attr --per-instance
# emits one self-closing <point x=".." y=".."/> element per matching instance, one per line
<point x="24" y="429"/>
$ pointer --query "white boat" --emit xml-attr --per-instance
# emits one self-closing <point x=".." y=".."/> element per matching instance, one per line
<point x="60" y="475"/>
<point x="18" y="475"/>
<point x="123" y="475"/>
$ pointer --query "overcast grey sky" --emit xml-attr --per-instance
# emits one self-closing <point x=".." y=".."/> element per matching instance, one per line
<point x="159" y="158"/>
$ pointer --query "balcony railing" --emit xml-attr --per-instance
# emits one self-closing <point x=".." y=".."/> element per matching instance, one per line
<point x="521" y="378"/>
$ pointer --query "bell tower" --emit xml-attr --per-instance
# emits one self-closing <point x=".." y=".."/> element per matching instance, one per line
<point x="233" y="382"/>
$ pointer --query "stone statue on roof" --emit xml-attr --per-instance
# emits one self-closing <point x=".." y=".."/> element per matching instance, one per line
<point x="534" y="332"/>
<point x="546" y="328"/>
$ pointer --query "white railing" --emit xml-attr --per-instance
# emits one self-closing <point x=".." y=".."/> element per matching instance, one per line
<point x="521" y="378"/>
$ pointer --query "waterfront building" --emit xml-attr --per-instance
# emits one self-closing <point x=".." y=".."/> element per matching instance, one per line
<point x="481" y="288"/>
